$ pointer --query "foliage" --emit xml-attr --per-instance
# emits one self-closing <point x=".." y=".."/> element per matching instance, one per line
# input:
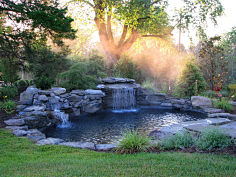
<point x="82" y="75"/>
<point x="179" y="140"/>
<point x="8" y="105"/>
<point x="132" y="142"/>
<point x="141" y="18"/>
<point x="223" y="104"/>
<point x="44" y="82"/>
<point x="189" y="77"/>
<point x="27" y="81"/>
<point x="22" y="83"/>
<point x="149" y="85"/>
<point x="232" y="89"/>
<point x="43" y="61"/>
<point x="9" y="68"/>
<point x="213" y="137"/>
<point x="31" y="82"/>
<point x="211" y="63"/>
<point x="8" y="92"/>
<point x="224" y="93"/>
<point x="125" y="68"/>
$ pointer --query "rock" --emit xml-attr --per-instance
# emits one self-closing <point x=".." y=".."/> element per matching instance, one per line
<point x="156" y="97"/>
<point x="43" y="98"/>
<point x="130" y="81"/>
<point x="166" y="104"/>
<point x="76" y="112"/>
<point x="213" y="110"/>
<point x="35" y="135"/>
<point x="201" y="102"/>
<point x="92" y="108"/>
<point x="35" y="108"/>
<point x="143" y="102"/>
<point x="144" y="91"/>
<point x="217" y="115"/>
<point x="27" y="96"/>
<point x="52" y="95"/>
<point x="25" y="127"/>
<point x="20" y="133"/>
<point x="49" y="141"/>
<point x="106" y="146"/>
<point x="156" y="103"/>
<point x="66" y="106"/>
<point x="53" y="100"/>
<point x="14" y="122"/>
<point x="81" y="103"/>
<point x="94" y="97"/>
<point x="64" y="95"/>
<point x="44" y="92"/>
<point x="74" y="98"/>
<point x="79" y="145"/>
<point x="94" y="92"/>
<point x="37" y="102"/>
<point x="178" y="106"/>
<point x="34" y="113"/>
<point x="109" y="80"/>
<point x="21" y="107"/>
<point x="58" y="90"/>
<point x="78" y="92"/>
<point x="156" y="134"/>
<point x="120" y="80"/>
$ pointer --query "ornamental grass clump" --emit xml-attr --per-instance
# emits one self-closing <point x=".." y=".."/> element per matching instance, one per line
<point x="149" y="85"/>
<point x="213" y="137"/>
<point x="132" y="142"/>
<point x="223" y="104"/>
<point x="179" y="140"/>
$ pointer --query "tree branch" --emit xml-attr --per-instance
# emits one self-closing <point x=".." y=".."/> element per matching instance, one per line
<point x="122" y="39"/>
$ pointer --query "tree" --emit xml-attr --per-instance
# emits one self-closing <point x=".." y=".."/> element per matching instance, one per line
<point x="229" y="46"/>
<point x="190" y="81"/>
<point x="25" y="21"/>
<point x="143" y="18"/>
<point x="211" y="63"/>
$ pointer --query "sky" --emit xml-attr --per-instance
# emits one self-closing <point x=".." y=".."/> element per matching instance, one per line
<point x="225" y="23"/>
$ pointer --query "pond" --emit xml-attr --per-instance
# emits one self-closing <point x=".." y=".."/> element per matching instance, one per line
<point x="108" y="126"/>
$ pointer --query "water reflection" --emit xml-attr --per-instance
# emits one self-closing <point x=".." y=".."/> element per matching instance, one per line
<point x="108" y="127"/>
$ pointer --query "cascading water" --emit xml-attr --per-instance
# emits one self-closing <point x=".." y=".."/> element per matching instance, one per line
<point x="124" y="99"/>
<point x="63" y="117"/>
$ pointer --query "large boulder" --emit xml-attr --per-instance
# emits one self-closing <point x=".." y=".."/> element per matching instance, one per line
<point x="43" y="98"/>
<point x="92" y="108"/>
<point x="58" y="90"/>
<point x="27" y="96"/>
<point x="156" y="97"/>
<point x="201" y="102"/>
<point x="14" y="122"/>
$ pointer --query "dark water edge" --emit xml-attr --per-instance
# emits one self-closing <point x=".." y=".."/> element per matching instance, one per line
<point x="107" y="126"/>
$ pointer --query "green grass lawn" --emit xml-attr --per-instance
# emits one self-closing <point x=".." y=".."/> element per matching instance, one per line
<point x="20" y="157"/>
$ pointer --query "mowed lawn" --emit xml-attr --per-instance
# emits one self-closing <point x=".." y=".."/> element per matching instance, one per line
<point x="21" y="157"/>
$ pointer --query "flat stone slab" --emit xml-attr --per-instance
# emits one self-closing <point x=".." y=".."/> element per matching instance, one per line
<point x="219" y="115"/>
<point x="79" y="145"/>
<point x="36" y="135"/>
<point x="14" y="122"/>
<point x="94" y="92"/>
<point x="231" y="130"/>
<point x="49" y="141"/>
<point x="106" y="146"/>
<point x="166" y="104"/>
<point x="213" y="110"/>
<point x="180" y="127"/>
<point x="35" y="108"/>
<point x="25" y="127"/>
<point x="20" y="133"/>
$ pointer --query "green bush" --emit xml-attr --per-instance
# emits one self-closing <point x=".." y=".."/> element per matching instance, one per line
<point x="178" y="140"/>
<point x="27" y="82"/>
<point x="186" y="83"/>
<point x="44" y="82"/>
<point x="209" y="94"/>
<point x="31" y="82"/>
<point x="132" y="142"/>
<point x="224" y="93"/>
<point x="82" y="75"/>
<point x="213" y="137"/>
<point x="223" y="104"/>
<point x="8" y="91"/>
<point x="149" y="85"/>
<point x="22" y="83"/>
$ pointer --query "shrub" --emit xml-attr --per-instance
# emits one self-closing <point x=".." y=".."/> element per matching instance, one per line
<point x="209" y="94"/>
<point x="44" y="82"/>
<point x="213" y="137"/>
<point x="132" y="142"/>
<point x="178" y="140"/>
<point x="223" y="104"/>
<point x="232" y="88"/>
<point x="82" y="75"/>
<point x="186" y="83"/>
<point x="8" y="91"/>
<point x="27" y="82"/>
<point x="22" y="83"/>
<point x="31" y="82"/>
<point x="224" y="93"/>
<point x="149" y="85"/>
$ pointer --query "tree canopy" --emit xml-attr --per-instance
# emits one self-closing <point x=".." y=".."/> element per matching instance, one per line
<point x="144" y="18"/>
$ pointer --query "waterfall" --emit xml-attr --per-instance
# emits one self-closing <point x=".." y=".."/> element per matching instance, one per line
<point x="63" y="117"/>
<point x="124" y="99"/>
